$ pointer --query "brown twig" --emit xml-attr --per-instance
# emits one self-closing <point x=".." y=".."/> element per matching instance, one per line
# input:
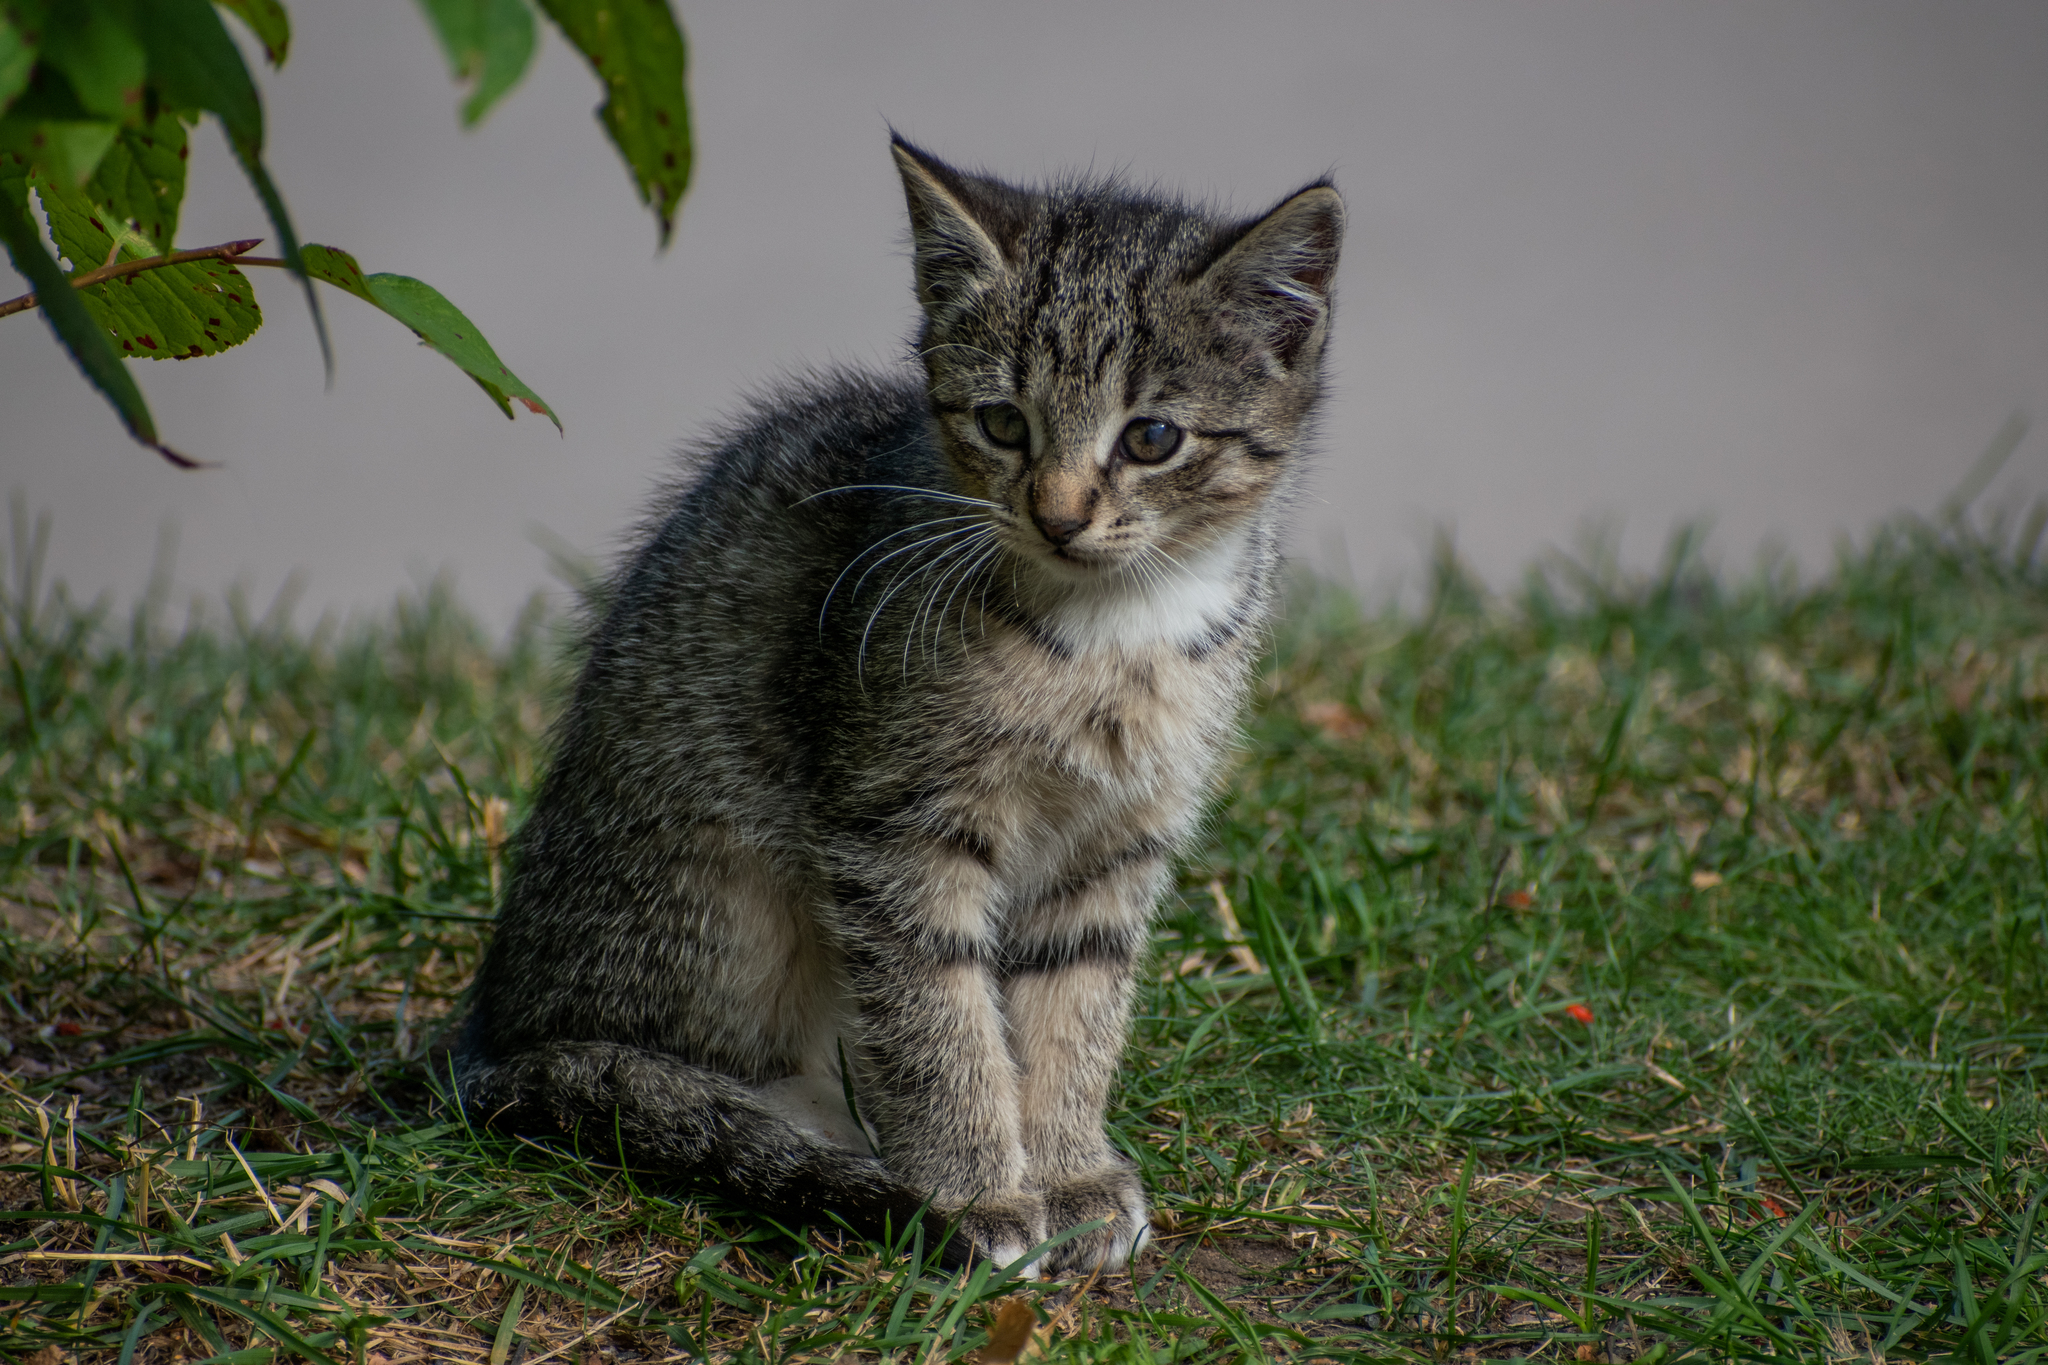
<point x="226" y="250"/>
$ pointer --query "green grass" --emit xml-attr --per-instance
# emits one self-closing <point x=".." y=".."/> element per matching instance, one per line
<point x="1614" y="971"/>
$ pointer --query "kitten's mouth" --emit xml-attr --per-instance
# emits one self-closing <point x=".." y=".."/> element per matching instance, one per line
<point x="1070" y="562"/>
<point x="1079" y="561"/>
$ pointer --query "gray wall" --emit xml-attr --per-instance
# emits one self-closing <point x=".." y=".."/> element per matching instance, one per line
<point x="1780" y="264"/>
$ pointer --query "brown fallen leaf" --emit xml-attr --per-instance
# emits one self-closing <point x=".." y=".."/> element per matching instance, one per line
<point x="1336" y="720"/>
<point x="1009" y="1335"/>
<point x="49" y="1355"/>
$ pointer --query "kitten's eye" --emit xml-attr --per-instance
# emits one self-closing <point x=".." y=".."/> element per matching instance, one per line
<point x="1004" y="424"/>
<point x="1149" y="440"/>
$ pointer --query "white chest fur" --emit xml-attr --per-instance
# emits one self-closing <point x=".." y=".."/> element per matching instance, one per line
<point x="1174" y="602"/>
<point x="1116" y="733"/>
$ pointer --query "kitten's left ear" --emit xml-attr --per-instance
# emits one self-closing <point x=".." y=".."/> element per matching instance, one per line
<point x="956" y="223"/>
<point x="1277" y="275"/>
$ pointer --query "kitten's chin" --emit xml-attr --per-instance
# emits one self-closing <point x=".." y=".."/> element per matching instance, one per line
<point x="1081" y="563"/>
<point x="1068" y="566"/>
<point x="1068" y="570"/>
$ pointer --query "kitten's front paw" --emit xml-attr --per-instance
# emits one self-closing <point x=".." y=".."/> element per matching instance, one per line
<point x="1113" y="1195"/>
<point x="999" y="1230"/>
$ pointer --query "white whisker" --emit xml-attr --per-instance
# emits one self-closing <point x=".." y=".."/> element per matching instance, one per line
<point x="861" y="582"/>
<point x="988" y="578"/>
<point x="908" y="490"/>
<point x="959" y="346"/>
<point x="825" y="606"/>
<point x="1157" y="553"/>
<point x="914" y="629"/>
<point x="907" y="575"/>
<point x="980" y="571"/>
<point x="959" y="580"/>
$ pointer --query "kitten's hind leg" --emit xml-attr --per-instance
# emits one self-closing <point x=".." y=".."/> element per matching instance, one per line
<point x="817" y="1105"/>
<point x="658" y="1113"/>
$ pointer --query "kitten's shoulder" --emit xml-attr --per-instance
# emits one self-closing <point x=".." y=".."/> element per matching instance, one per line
<point x="805" y="432"/>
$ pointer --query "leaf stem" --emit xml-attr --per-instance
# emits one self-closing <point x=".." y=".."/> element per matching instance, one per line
<point x="226" y="250"/>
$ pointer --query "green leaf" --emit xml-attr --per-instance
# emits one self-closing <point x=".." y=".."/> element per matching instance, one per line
<point x="69" y="149"/>
<point x="75" y="225"/>
<point x="437" y="322"/>
<point x="67" y="314"/>
<point x="174" y="312"/>
<point x="287" y="241"/>
<point x="194" y="64"/>
<point x="93" y="44"/>
<point x="141" y="180"/>
<point x="637" y="50"/>
<point x="268" y="21"/>
<point x="49" y="124"/>
<point x="21" y="37"/>
<point x="486" y="41"/>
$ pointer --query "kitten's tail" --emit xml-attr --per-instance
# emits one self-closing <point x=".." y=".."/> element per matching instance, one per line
<point x="661" y="1114"/>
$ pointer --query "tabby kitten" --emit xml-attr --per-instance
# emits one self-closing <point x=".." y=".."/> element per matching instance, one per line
<point x="895" y="720"/>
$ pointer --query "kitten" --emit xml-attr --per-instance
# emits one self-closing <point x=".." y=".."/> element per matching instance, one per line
<point x="895" y="720"/>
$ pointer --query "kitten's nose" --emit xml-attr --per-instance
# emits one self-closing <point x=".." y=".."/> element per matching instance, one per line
<point x="1058" y="528"/>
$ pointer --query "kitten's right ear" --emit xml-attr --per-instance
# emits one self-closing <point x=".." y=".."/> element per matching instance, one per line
<point x="955" y="221"/>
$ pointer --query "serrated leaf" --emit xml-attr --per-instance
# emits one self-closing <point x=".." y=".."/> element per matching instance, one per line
<point x="268" y="21"/>
<point x="21" y="37"/>
<point x="637" y="50"/>
<point x="173" y="312"/>
<point x="176" y="312"/>
<point x="93" y="44"/>
<point x="141" y="180"/>
<point x="82" y="237"/>
<point x="437" y="322"/>
<point x="195" y="65"/>
<point x="338" y="268"/>
<point x="67" y="314"/>
<point x="489" y="42"/>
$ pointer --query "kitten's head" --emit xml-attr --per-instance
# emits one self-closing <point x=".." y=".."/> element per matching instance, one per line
<point x="1124" y="376"/>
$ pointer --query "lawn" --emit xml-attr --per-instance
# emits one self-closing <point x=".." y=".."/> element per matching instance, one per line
<point x="1611" y="970"/>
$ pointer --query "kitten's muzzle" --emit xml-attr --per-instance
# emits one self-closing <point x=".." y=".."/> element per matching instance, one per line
<point x="1058" y="526"/>
<point x="1063" y="503"/>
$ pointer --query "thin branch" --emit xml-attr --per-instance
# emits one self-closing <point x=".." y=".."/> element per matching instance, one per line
<point x="226" y="250"/>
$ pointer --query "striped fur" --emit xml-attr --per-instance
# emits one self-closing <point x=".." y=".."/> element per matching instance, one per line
<point x="889" y="734"/>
